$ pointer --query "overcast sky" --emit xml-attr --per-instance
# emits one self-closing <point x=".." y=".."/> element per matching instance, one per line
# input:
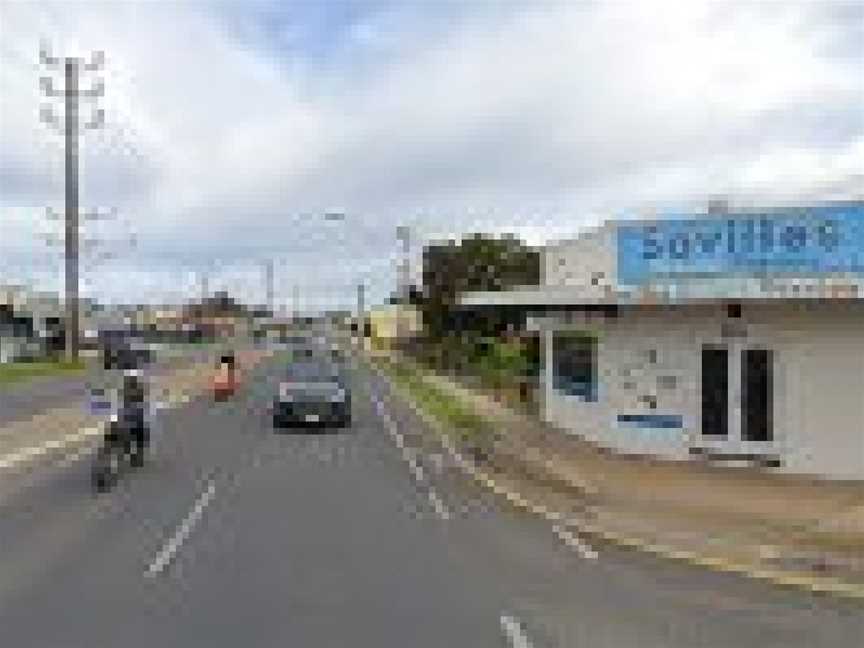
<point x="232" y="127"/>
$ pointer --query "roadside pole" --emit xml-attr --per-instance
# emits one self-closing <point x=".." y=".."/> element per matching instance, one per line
<point x="71" y="248"/>
<point x="403" y="234"/>
<point x="361" y="308"/>
<point x="71" y="94"/>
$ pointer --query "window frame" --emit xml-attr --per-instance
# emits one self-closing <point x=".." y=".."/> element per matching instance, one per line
<point x="586" y="390"/>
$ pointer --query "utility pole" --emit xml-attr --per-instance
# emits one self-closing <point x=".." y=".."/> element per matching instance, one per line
<point x="268" y="281"/>
<point x="205" y="285"/>
<point x="361" y="299"/>
<point x="72" y="68"/>
<point x="361" y="308"/>
<point x="403" y="235"/>
<point x="71" y="249"/>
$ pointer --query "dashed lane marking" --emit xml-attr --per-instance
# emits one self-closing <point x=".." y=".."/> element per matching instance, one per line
<point x="169" y="550"/>
<point x="24" y="455"/>
<point x="571" y="540"/>
<point x="514" y="632"/>
<point x="28" y="454"/>
<point x="414" y="466"/>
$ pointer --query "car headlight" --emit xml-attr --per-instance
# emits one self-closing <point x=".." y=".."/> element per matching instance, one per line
<point x="338" y="397"/>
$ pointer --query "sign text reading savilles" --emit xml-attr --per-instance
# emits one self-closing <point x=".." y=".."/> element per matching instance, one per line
<point x="810" y="241"/>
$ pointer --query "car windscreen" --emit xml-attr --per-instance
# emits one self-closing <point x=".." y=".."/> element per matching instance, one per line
<point x="312" y="372"/>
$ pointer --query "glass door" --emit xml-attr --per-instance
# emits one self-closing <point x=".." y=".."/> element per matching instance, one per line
<point x="737" y="393"/>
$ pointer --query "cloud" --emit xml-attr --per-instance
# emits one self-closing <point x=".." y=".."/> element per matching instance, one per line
<point x="232" y="128"/>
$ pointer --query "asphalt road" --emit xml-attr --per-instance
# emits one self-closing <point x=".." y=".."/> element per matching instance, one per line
<point x="23" y="400"/>
<point x="234" y="535"/>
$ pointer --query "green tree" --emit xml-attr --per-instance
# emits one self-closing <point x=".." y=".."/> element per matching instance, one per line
<point x="479" y="262"/>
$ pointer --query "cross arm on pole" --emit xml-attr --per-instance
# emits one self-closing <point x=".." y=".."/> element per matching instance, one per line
<point x="97" y="60"/>
<point x="97" y="120"/>
<point x="97" y="90"/>
<point x="46" y="58"/>
<point x="46" y="83"/>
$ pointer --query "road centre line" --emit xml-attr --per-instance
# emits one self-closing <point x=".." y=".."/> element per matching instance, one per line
<point x="513" y="631"/>
<point x="169" y="550"/>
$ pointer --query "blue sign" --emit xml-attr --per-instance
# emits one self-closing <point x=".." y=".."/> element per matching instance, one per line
<point x="804" y="241"/>
<point x="659" y="421"/>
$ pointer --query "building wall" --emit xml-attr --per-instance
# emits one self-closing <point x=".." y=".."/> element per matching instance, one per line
<point x="387" y="322"/>
<point x="822" y="355"/>
<point x="588" y="262"/>
<point x="655" y="353"/>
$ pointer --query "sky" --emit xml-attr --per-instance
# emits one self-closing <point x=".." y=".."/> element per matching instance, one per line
<point x="231" y="128"/>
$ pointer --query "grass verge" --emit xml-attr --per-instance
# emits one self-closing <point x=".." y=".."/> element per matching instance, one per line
<point x="455" y="416"/>
<point x="20" y="371"/>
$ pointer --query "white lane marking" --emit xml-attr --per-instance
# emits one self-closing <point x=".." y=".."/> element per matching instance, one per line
<point x="512" y="629"/>
<point x="168" y="552"/>
<point x="416" y="469"/>
<point x="413" y="464"/>
<point x="556" y="518"/>
<point x="440" y="509"/>
<point x="571" y="540"/>
<point x="26" y="454"/>
<point x="75" y="456"/>
<point x="33" y="452"/>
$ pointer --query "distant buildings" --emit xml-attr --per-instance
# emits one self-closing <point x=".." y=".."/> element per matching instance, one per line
<point x="31" y="323"/>
<point x="391" y="323"/>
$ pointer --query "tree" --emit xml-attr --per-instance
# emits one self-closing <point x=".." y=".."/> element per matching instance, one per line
<point x="479" y="262"/>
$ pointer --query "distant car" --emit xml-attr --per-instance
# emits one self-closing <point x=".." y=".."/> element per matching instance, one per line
<point x="122" y="353"/>
<point x="314" y="392"/>
<point x="293" y="339"/>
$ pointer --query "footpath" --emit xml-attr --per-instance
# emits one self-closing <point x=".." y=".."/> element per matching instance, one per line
<point x="60" y="427"/>
<point x="789" y="530"/>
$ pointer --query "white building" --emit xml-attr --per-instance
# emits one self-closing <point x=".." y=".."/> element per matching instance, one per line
<point x="731" y="338"/>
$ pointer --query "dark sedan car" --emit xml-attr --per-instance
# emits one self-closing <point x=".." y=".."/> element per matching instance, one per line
<point x="313" y="393"/>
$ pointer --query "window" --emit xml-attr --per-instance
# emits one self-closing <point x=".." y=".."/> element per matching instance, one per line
<point x="574" y="358"/>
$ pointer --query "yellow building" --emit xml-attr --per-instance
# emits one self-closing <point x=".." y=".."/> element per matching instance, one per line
<point x="390" y="322"/>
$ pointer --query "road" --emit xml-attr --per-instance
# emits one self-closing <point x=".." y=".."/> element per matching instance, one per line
<point x="234" y="535"/>
<point x="21" y="400"/>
